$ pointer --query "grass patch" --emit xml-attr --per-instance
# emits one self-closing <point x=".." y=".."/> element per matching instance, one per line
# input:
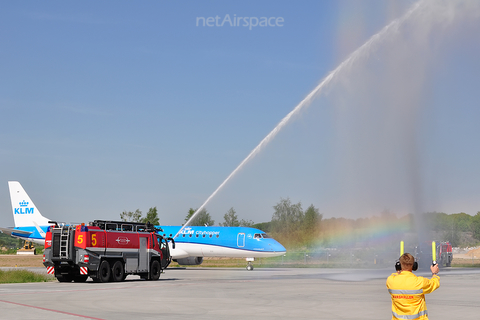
<point x="8" y="251"/>
<point x="22" y="276"/>
<point x="467" y="265"/>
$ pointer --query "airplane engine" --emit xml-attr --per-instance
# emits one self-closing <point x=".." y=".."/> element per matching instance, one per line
<point x="190" y="261"/>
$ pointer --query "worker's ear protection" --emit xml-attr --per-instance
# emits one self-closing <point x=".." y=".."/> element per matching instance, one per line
<point x="398" y="266"/>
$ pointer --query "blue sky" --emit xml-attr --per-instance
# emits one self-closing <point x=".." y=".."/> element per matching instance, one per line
<point x="114" y="105"/>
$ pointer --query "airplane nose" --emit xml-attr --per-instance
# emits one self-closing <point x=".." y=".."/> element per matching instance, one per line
<point x="277" y="247"/>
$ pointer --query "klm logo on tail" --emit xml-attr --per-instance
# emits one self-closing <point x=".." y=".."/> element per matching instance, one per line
<point x="23" y="209"/>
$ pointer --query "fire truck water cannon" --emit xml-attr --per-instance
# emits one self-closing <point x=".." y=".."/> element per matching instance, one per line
<point x="105" y="251"/>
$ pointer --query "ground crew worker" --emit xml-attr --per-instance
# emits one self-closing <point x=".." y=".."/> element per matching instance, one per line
<point x="408" y="291"/>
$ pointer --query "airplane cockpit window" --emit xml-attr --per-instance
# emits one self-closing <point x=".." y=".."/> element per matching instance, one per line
<point x="257" y="236"/>
<point x="266" y="236"/>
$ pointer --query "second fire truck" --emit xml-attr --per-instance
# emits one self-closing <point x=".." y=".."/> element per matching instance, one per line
<point x="105" y="251"/>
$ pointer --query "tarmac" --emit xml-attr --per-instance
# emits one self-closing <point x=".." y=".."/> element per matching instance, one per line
<point x="221" y="293"/>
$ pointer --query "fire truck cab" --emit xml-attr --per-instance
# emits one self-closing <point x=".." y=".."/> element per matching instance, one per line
<point x="105" y="251"/>
<point x="444" y="254"/>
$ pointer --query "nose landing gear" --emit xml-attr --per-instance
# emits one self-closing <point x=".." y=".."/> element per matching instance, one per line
<point x="249" y="263"/>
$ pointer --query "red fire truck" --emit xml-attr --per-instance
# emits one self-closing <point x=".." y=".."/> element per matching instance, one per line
<point x="444" y="254"/>
<point x="105" y="251"/>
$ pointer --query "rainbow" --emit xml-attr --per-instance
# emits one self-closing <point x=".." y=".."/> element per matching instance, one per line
<point x="371" y="232"/>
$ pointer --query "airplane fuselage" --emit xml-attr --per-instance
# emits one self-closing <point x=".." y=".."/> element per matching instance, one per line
<point x="241" y="242"/>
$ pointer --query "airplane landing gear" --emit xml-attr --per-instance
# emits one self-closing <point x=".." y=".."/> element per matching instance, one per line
<point x="249" y="263"/>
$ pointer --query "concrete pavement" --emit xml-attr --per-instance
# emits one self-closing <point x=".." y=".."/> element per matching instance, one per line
<point x="209" y="293"/>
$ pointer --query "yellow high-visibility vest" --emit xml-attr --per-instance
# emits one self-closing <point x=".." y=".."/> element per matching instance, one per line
<point x="408" y="294"/>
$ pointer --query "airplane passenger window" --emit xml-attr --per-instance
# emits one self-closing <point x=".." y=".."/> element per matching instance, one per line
<point x="210" y="236"/>
<point x="204" y="236"/>
<point x="196" y="236"/>
<point x="218" y="235"/>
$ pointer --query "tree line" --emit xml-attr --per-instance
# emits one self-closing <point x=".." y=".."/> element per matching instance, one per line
<point x="202" y="218"/>
<point x="297" y="228"/>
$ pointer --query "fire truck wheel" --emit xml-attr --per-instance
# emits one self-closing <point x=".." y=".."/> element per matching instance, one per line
<point x="81" y="278"/>
<point x="118" y="273"/>
<point x="64" y="278"/>
<point x="155" y="270"/>
<point x="103" y="274"/>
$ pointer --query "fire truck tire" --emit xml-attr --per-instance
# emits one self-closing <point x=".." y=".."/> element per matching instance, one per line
<point x="64" y="278"/>
<point x="118" y="273"/>
<point x="155" y="270"/>
<point x="103" y="274"/>
<point x="81" y="278"/>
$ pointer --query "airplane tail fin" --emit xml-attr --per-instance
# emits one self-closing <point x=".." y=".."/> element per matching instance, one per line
<point x="25" y="213"/>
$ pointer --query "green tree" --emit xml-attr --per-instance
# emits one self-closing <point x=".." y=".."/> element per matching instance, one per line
<point x="152" y="217"/>
<point x="131" y="216"/>
<point x="476" y="226"/>
<point x="311" y="220"/>
<point x="287" y="215"/>
<point x="463" y="221"/>
<point x="310" y="226"/>
<point x="287" y="223"/>
<point x="201" y="219"/>
<point x="264" y="226"/>
<point x="191" y="211"/>
<point x="246" y="223"/>
<point x="230" y="219"/>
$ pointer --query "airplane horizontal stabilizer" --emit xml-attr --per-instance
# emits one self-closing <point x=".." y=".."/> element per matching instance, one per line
<point x="9" y="231"/>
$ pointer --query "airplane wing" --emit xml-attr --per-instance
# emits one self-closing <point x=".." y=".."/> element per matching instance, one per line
<point x="177" y="253"/>
<point x="9" y="231"/>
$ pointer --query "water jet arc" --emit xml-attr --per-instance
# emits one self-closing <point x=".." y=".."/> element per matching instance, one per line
<point x="362" y="51"/>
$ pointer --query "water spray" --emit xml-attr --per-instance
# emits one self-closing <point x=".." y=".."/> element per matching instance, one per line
<point x="362" y="51"/>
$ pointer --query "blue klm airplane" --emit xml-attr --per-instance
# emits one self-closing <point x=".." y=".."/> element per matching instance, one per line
<point x="192" y="244"/>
